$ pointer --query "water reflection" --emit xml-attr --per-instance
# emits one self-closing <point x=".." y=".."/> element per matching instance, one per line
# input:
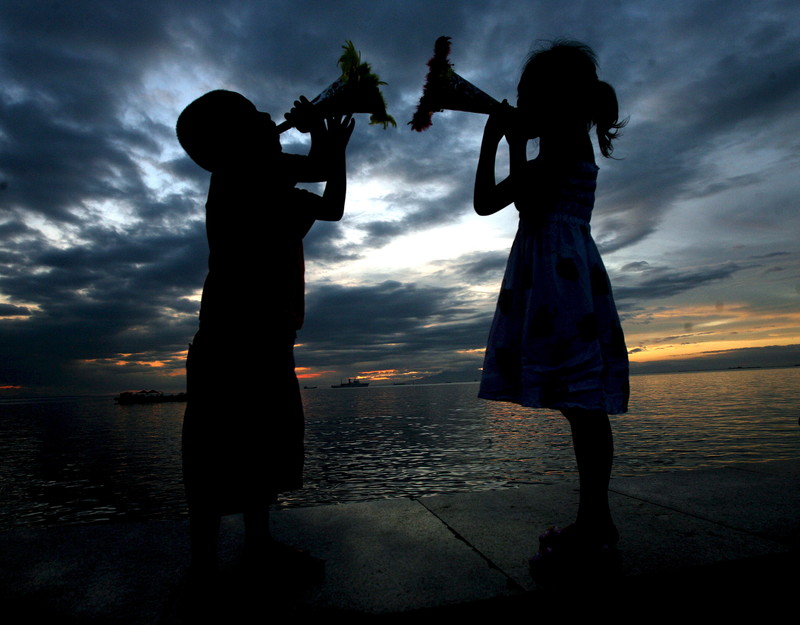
<point x="77" y="460"/>
<point x="87" y="460"/>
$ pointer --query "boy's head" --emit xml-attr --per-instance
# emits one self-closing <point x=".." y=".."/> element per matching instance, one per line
<point x="223" y="129"/>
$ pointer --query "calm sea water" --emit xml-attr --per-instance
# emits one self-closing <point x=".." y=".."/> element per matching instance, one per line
<point x="85" y="460"/>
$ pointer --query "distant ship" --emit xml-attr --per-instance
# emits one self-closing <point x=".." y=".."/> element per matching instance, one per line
<point x="148" y="397"/>
<point x="351" y="383"/>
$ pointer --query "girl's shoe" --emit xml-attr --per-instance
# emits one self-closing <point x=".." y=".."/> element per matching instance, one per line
<point x="574" y="537"/>
<point x="570" y="552"/>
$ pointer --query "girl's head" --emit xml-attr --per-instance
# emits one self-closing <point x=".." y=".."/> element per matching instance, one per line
<point x="559" y="89"/>
<point x="223" y="129"/>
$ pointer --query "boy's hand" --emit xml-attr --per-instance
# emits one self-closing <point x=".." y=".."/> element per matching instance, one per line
<point x="304" y="116"/>
<point x="340" y="128"/>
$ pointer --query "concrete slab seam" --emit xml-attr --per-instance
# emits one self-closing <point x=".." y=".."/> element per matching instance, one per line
<point x="512" y="583"/>
<point x="700" y="518"/>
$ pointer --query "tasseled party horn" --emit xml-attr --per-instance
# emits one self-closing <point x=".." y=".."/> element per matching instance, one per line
<point x="444" y="89"/>
<point x="357" y="90"/>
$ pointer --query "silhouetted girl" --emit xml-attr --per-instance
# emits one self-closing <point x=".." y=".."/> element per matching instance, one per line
<point x="556" y="340"/>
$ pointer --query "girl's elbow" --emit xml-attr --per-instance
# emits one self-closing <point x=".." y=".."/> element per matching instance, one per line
<point x="489" y="200"/>
<point x="479" y="204"/>
<point x="484" y="207"/>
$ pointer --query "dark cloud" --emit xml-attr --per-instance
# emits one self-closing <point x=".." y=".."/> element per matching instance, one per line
<point x="385" y="311"/>
<point x="102" y="244"/>
<point x="51" y="166"/>
<point x="479" y="266"/>
<point x="324" y="244"/>
<point x="640" y="265"/>
<point x="9" y="310"/>
<point x="399" y="325"/>
<point x="420" y="214"/>
<point x="663" y="282"/>
<point x="116" y="293"/>
<point x="770" y="255"/>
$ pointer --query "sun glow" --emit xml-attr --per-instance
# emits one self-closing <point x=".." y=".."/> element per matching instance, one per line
<point x="307" y="373"/>
<point x="701" y="329"/>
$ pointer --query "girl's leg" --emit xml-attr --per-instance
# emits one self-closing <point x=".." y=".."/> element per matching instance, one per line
<point x="594" y="451"/>
<point x="579" y="549"/>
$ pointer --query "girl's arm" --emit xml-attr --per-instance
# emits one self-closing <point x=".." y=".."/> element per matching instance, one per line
<point x="331" y="206"/>
<point x="521" y="176"/>
<point x="490" y="196"/>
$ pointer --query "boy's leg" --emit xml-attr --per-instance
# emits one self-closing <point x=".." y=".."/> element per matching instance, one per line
<point x="285" y="563"/>
<point x="257" y="536"/>
<point x="203" y="535"/>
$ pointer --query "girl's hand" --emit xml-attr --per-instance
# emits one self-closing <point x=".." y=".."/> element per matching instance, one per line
<point x="501" y="122"/>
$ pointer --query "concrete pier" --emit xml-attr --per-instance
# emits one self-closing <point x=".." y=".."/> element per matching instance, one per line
<point x="715" y="542"/>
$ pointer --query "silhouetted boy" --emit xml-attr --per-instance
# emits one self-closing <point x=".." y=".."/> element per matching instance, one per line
<point x="243" y="427"/>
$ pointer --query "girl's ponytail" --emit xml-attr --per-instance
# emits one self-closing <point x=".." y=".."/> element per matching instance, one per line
<point x="606" y="116"/>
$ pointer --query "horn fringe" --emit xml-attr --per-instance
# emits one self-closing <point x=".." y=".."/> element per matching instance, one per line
<point x="357" y="90"/>
<point x="359" y="86"/>
<point x="444" y="89"/>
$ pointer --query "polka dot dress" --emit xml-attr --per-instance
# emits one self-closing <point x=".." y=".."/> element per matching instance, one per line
<point x="556" y="339"/>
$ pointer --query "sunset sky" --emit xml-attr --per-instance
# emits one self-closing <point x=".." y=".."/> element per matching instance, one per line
<point x="102" y="234"/>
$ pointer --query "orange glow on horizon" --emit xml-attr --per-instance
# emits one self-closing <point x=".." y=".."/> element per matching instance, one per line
<point x="390" y="374"/>
<point x="126" y="360"/>
<point x="700" y="349"/>
<point x="693" y="332"/>
<point x="144" y="363"/>
<point x="378" y="372"/>
<point x="305" y="373"/>
<point x="379" y="375"/>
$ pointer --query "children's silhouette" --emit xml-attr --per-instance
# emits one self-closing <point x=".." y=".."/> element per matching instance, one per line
<point x="556" y="339"/>
<point x="243" y="427"/>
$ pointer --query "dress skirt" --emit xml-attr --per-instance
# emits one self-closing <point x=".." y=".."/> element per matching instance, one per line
<point x="556" y="339"/>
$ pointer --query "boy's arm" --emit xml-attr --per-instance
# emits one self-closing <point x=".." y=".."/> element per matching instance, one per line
<point x="331" y="204"/>
<point x="305" y="118"/>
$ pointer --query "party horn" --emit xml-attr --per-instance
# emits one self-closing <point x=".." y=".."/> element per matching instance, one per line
<point x="357" y="90"/>
<point x="444" y="89"/>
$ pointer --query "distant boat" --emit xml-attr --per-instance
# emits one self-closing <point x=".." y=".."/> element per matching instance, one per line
<point x="148" y="397"/>
<point x="351" y="383"/>
<point x="310" y="387"/>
